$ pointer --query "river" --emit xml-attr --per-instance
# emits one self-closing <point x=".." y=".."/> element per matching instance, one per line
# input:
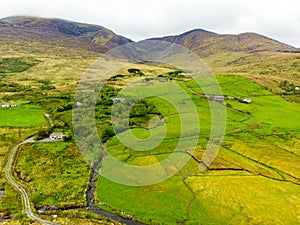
<point x="93" y="208"/>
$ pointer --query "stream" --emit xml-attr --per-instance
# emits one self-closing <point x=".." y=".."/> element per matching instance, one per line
<point x="93" y="208"/>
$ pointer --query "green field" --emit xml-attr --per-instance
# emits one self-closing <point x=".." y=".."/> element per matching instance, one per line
<point x="255" y="178"/>
<point x="23" y="116"/>
<point x="11" y="203"/>
<point x="54" y="173"/>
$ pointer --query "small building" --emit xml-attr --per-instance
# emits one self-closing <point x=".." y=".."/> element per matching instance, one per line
<point x="216" y="98"/>
<point x="56" y="136"/>
<point x="247" y="100"/>
<point x="14" y="105"/>
<point x="118" y="99"/>
<point x="219" y="98"/>
<point x="5" y="105"/>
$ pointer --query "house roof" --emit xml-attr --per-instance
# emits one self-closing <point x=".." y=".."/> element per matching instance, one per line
<point x="218" y="97"/>
<point x="56" y="134"/>
<point x="247" y="100"/>
<point x="118" y="99"/>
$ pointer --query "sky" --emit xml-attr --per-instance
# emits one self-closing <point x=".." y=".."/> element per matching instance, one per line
<point x="140" y="19"/>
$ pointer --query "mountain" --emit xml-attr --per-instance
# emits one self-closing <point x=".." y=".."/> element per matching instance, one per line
<point x="207" y="43"/>
<point x="41" y="37"/>
<point x="34" y="35"/>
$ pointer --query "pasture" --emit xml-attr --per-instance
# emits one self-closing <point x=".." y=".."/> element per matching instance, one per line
<point x="254" y="179"/>
<point x="22" y="116"/>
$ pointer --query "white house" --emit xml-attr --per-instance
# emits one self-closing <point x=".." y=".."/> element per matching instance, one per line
<point x="118" y="99"/>
<point x="56" y="136"/>
<point x="247" y="100"/>
<point x="2" y="193"/>
<point x="5" y="105"/>
<point x="218" y="98"/>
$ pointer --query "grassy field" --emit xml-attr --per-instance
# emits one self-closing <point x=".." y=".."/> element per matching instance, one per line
<point x="254" y="179"/>
<point x="54" y="174"/>
<point x="22" y="116"/>
<point x="63" y="173"/>
<point x="10" y="136"/>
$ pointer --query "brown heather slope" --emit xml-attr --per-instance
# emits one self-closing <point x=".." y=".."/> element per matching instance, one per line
<point x="206" y="43"/>
<point x="62" y="45"/>
<point x="262" y="59"/>
<point x="40" y="35"/>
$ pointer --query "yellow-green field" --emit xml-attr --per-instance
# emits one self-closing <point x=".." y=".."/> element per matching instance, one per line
<point x="22" y="116"/>
<point x="254" y="179"/>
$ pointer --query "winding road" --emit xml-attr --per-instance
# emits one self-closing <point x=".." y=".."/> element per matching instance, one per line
<point x="12" y="181"/>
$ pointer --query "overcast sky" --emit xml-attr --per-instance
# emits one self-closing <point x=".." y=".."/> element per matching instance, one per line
<point x="139" y="19"/>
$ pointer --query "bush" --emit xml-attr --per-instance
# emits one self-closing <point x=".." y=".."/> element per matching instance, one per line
<point x="44" y="134"/>
<point x="136" y="72"/>
<point x="47" y="87"/>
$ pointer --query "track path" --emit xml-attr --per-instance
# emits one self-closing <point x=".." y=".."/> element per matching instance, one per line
<point x="13" y="182"/>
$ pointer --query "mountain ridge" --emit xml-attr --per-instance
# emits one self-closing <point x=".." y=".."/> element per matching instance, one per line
<point x="60" y="33"/>
<point x="51" y="32"/>
<point x="206" y="43"/>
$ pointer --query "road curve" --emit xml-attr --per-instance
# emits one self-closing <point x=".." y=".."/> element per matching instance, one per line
<point x="12" y="181"/>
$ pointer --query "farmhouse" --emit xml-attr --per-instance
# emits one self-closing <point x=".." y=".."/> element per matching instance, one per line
<point x="216" y="98"/>
<point x="56" y="136"/>
<point x="118" y="99"/>
<point x="247" y="100"/>
<point x="230" y="97"/>
<point x="5" y="105"/>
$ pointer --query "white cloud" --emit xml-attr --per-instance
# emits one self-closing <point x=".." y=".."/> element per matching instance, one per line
<point x="142" y="19"/>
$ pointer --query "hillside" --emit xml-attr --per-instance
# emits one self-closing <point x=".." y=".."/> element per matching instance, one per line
<point x="254" y="178"/>
<point x="262" y="59"/>
<point x="60" y="47"/>
<point x="206" y="43"/>
<point x="39" y="35"/>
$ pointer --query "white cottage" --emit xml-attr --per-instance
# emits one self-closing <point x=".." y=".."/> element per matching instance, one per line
<point x="5" y="105"/>
<point x="56" y="136"/>
<point x="247" y="100"/>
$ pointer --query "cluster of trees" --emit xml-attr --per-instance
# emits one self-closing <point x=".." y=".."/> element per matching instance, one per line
<point x="174" y="75"/>
<point x="135" y="71"/>
<point x="13" y="87"/>
<point x="116" y="77"/>
<point x="143" y="108"/>
<point x="290" y="88"/>
<point x="44" y="133"/>
<point x="46" y="85"/>
<point x="16" y="64"/>
<point x="139" y="112"/>
<point x="65" y="106"/>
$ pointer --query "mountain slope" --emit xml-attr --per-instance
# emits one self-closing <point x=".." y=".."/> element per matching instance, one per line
<point x="40" y="35"/>
<point x="41" y="38"/>
<point x="34" y="35"/>
<point x="206" y="43"/>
